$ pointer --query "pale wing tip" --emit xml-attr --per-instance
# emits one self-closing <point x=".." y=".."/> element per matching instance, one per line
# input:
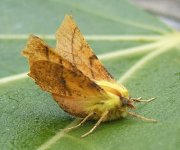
<point x="33" y="39"/>
<point x="67" y="16"/>
<point x="33" y="43"/>
<point x="68" y="21"/>
<point x="32" y="36"/>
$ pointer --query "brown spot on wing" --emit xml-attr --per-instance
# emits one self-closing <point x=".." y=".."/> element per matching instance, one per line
<point x="91" y="59"/>
<point x="64" y="85"/>
<point x="47" y="53"/>
<point x="72" y="45"/>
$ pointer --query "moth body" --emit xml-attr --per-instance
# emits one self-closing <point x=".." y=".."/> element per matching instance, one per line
<point x="115" y="103"/>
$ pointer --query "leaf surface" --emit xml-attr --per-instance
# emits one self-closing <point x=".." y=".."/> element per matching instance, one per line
<point x="30" y="118"/>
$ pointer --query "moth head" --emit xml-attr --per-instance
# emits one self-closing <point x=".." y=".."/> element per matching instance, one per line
<point x="127" y="102"/>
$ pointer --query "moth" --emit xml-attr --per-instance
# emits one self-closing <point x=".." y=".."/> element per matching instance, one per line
<point x="76" y="78"/>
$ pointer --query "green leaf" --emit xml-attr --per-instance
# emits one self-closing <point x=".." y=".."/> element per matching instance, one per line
<point x="144" y="55"/>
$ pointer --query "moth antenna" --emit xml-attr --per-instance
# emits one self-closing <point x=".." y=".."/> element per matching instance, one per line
<point x="96" y="125"/>
<point x="139" y="99"/>
<point x="82" y="121"/>
<point x="142" y="117"/>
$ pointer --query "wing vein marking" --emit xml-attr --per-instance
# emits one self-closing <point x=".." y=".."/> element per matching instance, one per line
<point x="72" y="44"/>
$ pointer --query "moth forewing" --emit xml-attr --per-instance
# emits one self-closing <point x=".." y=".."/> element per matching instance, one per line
<point x="72" y="46"/>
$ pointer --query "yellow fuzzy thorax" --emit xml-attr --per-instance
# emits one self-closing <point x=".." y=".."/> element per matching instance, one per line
<point x="114" y="88"/>
<point x="113" y="103"/>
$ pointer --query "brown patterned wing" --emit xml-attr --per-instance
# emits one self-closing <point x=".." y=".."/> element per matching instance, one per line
<point x="55" y="74"/>
<point x="36" y="49"/>
<point x="57" y="79"/>
<point x="73" y="47"/>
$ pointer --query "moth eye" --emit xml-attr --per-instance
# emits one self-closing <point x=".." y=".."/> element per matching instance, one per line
<point x="124" y="100"/>
<point x="94" y="113"/>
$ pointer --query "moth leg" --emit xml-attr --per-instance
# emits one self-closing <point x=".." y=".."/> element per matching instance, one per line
<point x="82" y="121"/>
<point x="96" y="125"/>
<point x="139" y="99"/>
<point x="142" y="117"/>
